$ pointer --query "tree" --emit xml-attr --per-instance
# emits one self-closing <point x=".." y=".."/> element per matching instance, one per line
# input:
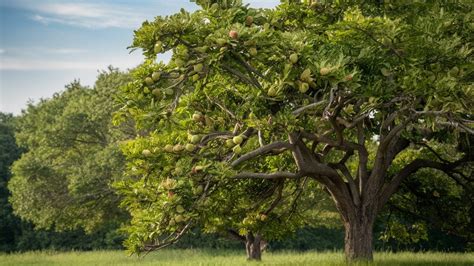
<point x="346" y="91"/>
<point x="63" y="180"/>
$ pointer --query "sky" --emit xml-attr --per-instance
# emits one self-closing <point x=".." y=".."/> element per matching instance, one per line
<point x="46" y="44"/>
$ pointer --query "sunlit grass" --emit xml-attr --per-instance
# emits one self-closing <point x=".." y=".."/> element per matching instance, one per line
<point x="216" y="257"/>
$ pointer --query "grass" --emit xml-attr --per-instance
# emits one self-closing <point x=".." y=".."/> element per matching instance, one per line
<point x="227" y="258"/>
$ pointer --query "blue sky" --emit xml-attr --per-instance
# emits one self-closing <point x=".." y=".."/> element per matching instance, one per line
<point x="46" y="44"/>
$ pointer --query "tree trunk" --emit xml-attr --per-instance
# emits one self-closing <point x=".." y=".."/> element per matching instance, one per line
<point x="359" y="237"/>
<point x="252" y="246"/>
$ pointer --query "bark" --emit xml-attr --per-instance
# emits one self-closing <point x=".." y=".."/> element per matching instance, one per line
<point x="252" y="246"/>
<point x="359" y="236"/>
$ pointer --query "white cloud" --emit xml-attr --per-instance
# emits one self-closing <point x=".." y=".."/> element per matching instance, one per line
<point x="89" y="15"/>
<point x="2" y="51"/>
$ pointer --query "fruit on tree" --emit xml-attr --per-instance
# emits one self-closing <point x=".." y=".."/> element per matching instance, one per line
<point x="253" y="51"/>
<point x="294" y="58"/>
<point x="233" y="34"/>
<point x="190" y="147"/>
<point x="149" y="81"/>
<point x="156" y="76"/>
<point x="146" y="152"/>
<point x="249" y="21"/>
<point x="237" y="140"/>
<point x="169" y="148"/>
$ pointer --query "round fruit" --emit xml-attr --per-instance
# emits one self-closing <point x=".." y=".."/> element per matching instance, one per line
<point x="146" y="152"/>
<point x="149" y="81"/>
<point x="195" y="139"/>
<point x="169" y="91"/>
<point x="237" y="149"/>
<point x="238" y="139"/>
<point x="195" y="77"/>
<point x="249" y="20"/>
<point x="179" y="218"/>
<point x="293" y="58"/>
<point x="304" y="87"/>
<point x="190" y="147"/>
<point x="157" y="92"/>
<point x="253" y="51"/>
<point x="229" y="143"/>
<point x="198" y="67"/>
<point x="199" y="189"/>
<point x="156" y="76"/>
<point x="324" y="71"/>
<point x="197" y="116"/>
<point x="263" y="217"/>
<point x="169" y="148"/>
<point x="172" y="222"/>
<point x="272" y="92"/>
<point x="179" y="209"/>
<point x="233" y="34"/>
<point x="158" y="47"/>
<point x="221" y="42"/>
<point x="178" y="148"/>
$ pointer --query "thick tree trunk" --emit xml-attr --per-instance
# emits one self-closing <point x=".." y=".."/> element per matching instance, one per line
<point x="359" y="237"/>
<point x="252" y="246"/>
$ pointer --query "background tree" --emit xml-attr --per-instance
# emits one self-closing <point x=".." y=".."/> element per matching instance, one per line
<point x="63" y="179"/>
<point x="329" y="85"/>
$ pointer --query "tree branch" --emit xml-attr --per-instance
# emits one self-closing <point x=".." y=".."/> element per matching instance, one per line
<point x="274" y="175"/>
<point x="261" y="151"/>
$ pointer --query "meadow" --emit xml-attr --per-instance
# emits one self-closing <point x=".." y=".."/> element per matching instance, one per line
<point x="197" y="257"/>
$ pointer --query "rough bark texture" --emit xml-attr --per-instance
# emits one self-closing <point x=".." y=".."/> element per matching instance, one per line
<point x="252" y="246"/>
<point x="359" y="238"/>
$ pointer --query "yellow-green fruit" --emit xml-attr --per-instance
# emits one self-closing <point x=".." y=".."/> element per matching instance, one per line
<point x="172" y="222"/>
<point x="237" y="139"/>
<point x="169" y="148"/>
<point x="249" y="20"/>
<point x="237" y="149"/>
<point x="253" y="51"/>
<point x="293" y="58"/>
<point x="263" y="217"/>
<point x="195" y="139"/>
<point x="306" y="75"/>
<point x="304" y="87"/>
<point x="178" y="62"/>
<point x="272" y="92"/>
<point x="198" y="67"/>
<point x="157" y="92"/>
<point x="179" y="218"/>
<point x="146" y="152"/>
<point x="229" y="143"/>
<point x="158" y="47"/>
<point x="179" y="209"/>
<point x="324" y="71"/>
<point x="195" y="77"/>
<point x="149" y="81"/>
<point x="178" y="148"/>
<point x="199" y="189"/>
<point x="197" y="116"/>
<point x="156" y="76"/>
<point x="169" y="91"/>
<point x="221" y="42"/>
<point x="190" y="147"/>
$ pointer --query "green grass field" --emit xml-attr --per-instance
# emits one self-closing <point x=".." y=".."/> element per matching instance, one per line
<point x="212" y="257"/>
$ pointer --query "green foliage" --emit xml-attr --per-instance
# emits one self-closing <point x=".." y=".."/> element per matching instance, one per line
<point x="63" y="180"/>
<point x="344" y="85"/>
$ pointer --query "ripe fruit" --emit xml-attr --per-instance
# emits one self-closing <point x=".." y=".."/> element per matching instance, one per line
<point x="149" y="81"/>
<point x="195" y="139"/>
<point x="229" y="143"/>
<point x="179" y="209"/>
<point x="325" y="70"/>
<point x="306" y="75"/>
<point x="190" y="147"/>
<point x="253" y="51"/>
<point x="156" y="76"/>
<point x="169" y="148"/>
<point x="233" y="34"/>
<point x="237" y="149"/>
<point x="237" y="139"/>
<point x="272" y="92"/>
<point x="198" y="67"/>
<point x="158" y="47"/>
<point x="146" y="152"/>
<point x="197" y="116"/>
<point x="304" y="87"/>
<point x="178" y="148"/>
<point x="293" y="58"/>
<point x="249" y="21"/>
<point x="157" y="92"/>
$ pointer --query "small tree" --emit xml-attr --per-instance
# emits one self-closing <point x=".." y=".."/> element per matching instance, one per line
<point x="332" y="92"/>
